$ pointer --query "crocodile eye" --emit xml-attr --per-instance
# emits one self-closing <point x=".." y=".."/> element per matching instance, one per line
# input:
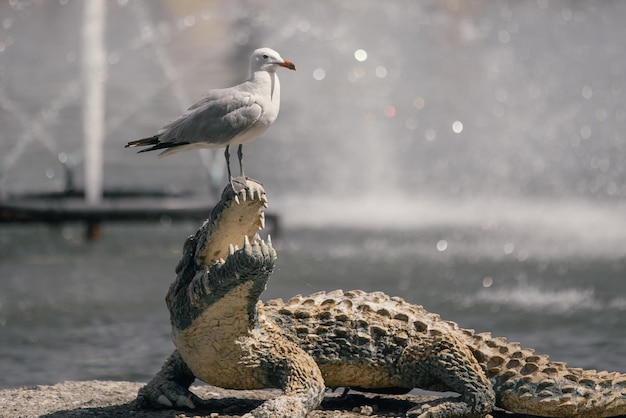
<point x="265" y="56"/>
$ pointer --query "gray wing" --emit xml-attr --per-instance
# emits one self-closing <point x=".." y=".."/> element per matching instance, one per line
<point x="216" y="119"/>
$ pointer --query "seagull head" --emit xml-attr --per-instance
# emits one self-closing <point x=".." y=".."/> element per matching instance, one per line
<point x="266" y="59"/>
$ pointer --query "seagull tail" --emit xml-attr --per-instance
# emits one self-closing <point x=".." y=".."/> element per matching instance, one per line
<point x="169" y="147"/>
<point x="152" y="140"/>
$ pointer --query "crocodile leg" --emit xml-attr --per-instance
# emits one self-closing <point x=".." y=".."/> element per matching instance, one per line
<point x="282" y="364"/>
<point x="170" y="386"/>
<point x="441" y="362"/>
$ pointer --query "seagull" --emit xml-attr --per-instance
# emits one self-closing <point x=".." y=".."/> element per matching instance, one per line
<point x="225" y="117"/>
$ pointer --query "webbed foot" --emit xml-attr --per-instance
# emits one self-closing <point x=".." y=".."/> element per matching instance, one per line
<point x="239" y="183"/>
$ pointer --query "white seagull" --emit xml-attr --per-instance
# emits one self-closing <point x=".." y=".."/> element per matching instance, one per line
<point x="225" y="117"/>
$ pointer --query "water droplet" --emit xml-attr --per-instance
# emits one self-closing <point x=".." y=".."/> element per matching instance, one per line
<point x="457" y="126"/>
<point x="567" y="14"/>
<point x="430" y="134"/>
<point x="319" y="74"/>
<point x="585" y="132"/>
<point x="488" y="281"/>
<point x="509" y="248"/>
<point x="360" y="55"/>
<point x="522" y="256"/>
<point x="587" y="92"/>
<point x="411" y="124"/>
<point x="612" y="188"/>
<point x="50" y="173"/>
<point x="419" y="103"/>
<point x="189" y="21"/>
<point x="390" y="111"/>
<point x="381" y="72"/>
<point x="442" y="245"/>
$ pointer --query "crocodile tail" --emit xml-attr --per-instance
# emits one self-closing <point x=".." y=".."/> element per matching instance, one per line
<point x="527" y="383"/>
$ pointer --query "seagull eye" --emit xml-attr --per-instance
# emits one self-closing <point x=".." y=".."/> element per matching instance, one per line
<point x="265" y="56"/>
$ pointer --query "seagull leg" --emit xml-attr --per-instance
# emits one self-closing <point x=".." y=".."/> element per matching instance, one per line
<point x="240" y="156"/>
<point x="237" y="183"/>
<point x="227" y="156"/>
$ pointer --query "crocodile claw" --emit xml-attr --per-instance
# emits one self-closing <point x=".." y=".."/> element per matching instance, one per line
<point x="161" y="393"/>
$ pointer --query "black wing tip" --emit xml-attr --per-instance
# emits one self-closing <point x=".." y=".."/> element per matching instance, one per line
<point x="143" y="142"/>
<point x="154" y="141"/>
<point x="163" y="145"/>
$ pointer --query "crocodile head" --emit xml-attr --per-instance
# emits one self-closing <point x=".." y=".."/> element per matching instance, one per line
<point x="236" y="215"/>
<point x="226" y="255"/>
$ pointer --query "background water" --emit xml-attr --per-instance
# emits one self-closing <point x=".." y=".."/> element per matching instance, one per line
<point x="468" y="156"/>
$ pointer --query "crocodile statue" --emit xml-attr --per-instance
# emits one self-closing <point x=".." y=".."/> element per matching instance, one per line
<point x="227" y="337"/>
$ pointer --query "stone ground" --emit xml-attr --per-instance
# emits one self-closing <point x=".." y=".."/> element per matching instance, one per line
<point x="115" y="399"/>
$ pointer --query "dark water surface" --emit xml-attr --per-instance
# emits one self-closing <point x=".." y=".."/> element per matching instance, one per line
<point x="97" y="311"/>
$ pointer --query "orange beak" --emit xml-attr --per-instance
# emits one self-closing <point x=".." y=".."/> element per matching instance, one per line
<point x="288" y="64"/>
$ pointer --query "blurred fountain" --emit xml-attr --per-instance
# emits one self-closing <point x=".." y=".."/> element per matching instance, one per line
<point x="94" y="74"/>
<point x="445" y="105"/>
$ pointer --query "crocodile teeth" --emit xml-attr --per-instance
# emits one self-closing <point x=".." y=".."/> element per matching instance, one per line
<point x="246" y="243"/>
<point x="236" y="199"/>
<point x="251" y="194"/>
<point x="264" y="200"/>
<point x="269" y="240"/>
<point x="222" y="261"/>
<point x="244" y="195"/>
<point x="262" y="219"/>
<point x="231" y="249"/>
<point x="257" y="237"/>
